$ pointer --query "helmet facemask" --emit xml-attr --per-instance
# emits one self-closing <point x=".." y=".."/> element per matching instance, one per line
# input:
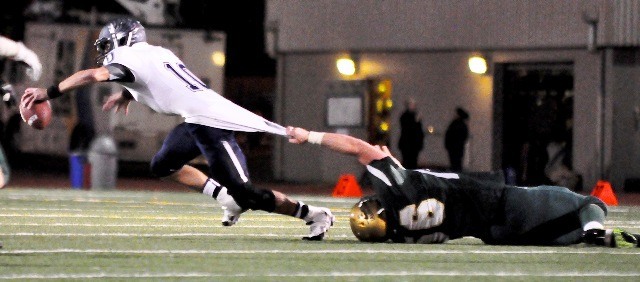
<point x="103" y="46"/>
<point x="368" y="221"/>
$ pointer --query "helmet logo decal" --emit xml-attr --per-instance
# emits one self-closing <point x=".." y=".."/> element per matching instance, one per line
<point x="114" y="37"/>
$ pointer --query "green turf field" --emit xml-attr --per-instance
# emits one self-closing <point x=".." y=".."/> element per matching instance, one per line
<point x="118" y="235"/>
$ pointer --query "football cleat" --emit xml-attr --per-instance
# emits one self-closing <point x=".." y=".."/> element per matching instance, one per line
<point x="619" y="238"/>
<point x="614" y="238"/>
<point x="319" y="220"/>
<point x="231" y="211"/>
<point x="230" y="216"/>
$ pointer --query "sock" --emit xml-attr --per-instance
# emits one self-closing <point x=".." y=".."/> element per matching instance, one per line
<point x="592" y="225"/>
<point x="302" y="210"/>
<point x="212" y="188"/>
<point x="592" y="216"/>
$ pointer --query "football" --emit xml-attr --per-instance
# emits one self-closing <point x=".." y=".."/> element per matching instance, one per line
<point x="39" y="116"/>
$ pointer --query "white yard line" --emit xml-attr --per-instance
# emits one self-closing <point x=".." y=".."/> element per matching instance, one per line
<point x="594" y="250"/>
<point x="216" y="217"/>
<point x="335" y="274"/>
<point x="263" y="217"/>
<point x="216" y="226"/>
<point x="186" y="234"/>
<point x="140" y="209"/>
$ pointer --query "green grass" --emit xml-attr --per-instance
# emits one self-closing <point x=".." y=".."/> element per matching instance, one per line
<point x="122" y="235"/>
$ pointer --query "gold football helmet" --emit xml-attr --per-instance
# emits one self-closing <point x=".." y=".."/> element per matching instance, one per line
<point x="368" y="221"/>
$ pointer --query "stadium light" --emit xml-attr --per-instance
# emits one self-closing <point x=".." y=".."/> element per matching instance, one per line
<point x="346" y="66"/>
<point x="218" y="58"/>
<point x="478" y="65"/>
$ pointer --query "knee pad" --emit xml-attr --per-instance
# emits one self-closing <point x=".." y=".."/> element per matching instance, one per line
<point x="249" y="197"/>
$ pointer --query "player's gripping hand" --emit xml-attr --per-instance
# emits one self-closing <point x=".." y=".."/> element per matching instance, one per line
<point x="297" y="135"/>
<point x="33" y="95"/>
<point x="117" y="101"/>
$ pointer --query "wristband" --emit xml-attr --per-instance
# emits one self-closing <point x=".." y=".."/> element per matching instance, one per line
<point x="315" y="137"/>
<point x="54" y="92"/>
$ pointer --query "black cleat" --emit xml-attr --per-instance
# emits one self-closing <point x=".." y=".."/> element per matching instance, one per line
<point x="593" y="237"/>
<point x="318" y="237"/>
<point x="614" y="238"/>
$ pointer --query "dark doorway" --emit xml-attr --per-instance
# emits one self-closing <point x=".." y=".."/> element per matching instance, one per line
<point x="536" y="117"/>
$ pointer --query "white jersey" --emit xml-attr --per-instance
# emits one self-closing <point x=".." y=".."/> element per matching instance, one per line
<point x="164" y="83"/>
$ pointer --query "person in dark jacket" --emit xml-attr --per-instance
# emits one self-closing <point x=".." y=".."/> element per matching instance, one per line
<point x="455" y="139"/>
<point x="411" y="135"/>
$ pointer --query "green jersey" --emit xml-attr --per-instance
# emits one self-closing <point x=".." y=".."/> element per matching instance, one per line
<point x="432" y="207"/>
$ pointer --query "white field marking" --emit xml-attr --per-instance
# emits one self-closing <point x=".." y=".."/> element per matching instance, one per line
<point x="142" y="204"/>
<point x="610" y="222"/>
<point x="594" y="250"/>
<point x="117" y="196"/>
<point x="322" y="274"/>
<point x="623" y="209"/>
<point x="190" y="234"/>
<point x="253" y="217"/>
<point x="119" y="209"/>
<point x="217" y="226"/>
<point x="335" y="274"/>
<point x="119" y="202"/>
<point x="139" y="209"/>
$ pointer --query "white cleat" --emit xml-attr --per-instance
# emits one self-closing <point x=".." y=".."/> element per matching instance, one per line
<point x="320" y="220"/>
<point x="231" y="210"/>
<point x="230" y="216"/>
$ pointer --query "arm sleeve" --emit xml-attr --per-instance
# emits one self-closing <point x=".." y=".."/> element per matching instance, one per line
<point x="120" y="73"/>
<point x="126" y="94"/>
<point x="8" y="47"/>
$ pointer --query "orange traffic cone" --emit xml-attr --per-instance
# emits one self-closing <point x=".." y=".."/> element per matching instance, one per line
<point x="347" y="186"/>
<point x="604" y="192"/>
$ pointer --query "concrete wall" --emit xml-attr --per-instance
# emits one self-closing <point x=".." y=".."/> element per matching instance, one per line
<point x="624" y="91"/>
<point x="439" y="81"/>
<point x="320" y="25"/>
<point x="423" y="46"/>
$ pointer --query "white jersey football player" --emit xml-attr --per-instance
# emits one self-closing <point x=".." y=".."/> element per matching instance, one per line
<point x="157" y="78"/>
<point x="18" y="52"/>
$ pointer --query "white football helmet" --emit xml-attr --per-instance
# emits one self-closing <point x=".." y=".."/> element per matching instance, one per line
<point x="117" y="33"/>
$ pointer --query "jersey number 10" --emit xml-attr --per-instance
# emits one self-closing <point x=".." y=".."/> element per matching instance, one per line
<point x="181" y="71"/>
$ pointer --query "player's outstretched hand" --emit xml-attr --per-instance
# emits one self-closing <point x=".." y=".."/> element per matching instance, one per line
<point x="297" y="135"/>
<point x="33" y="95"/>
<point x="118" y="101"/>
<point x="385" y="149"/>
